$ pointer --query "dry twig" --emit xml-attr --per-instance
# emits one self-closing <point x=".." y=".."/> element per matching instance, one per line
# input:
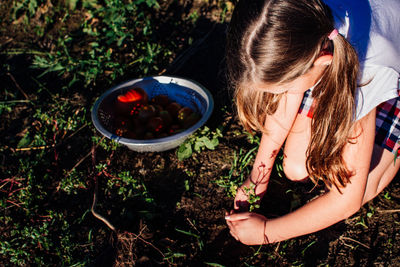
<point x="342" y="238"/>
<point x="17" y="85"/>
<point x="120" y="236"/>
<point x="388" y="211"/>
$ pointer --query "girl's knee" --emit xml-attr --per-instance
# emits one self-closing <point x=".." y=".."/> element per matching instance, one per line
<point x="294" y="170"/>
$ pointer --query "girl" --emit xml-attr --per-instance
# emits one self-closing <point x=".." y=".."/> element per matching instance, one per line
<point x="343" y="131"/>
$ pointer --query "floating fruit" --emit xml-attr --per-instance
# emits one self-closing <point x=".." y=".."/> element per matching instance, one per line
<point x="155" y="125"/>
<point x="161" y="100"/>
<point x="161" y="118"/>
<point x="173" y="109"/>
<point x="120" y="131"/>
<point x="146" y="112"/>
<point x="166" y="117"/>
<point x="191" y="120"/>
<point x="134" y="94"/>
<point x="130" y="101"/>
<point x="183" y="114"/>
<point x="158" y="109"/>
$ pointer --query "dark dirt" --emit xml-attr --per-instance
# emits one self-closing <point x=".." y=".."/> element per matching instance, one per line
<point x="143" y="239"/>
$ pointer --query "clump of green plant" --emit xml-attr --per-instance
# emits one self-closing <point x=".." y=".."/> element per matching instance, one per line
<point x="240" y="169"/>
<point x="106" y="32"/>
<point x="25" y="9"/>
<point x="200" y="140"/>
<point x="128" y="186"/>
<point x="253" y="200"/>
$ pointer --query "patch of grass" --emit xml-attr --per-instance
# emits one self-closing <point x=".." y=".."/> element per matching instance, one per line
<point x="241" y="167"/>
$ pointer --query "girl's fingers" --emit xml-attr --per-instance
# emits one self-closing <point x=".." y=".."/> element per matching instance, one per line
<point x="237" y="217"/>
<point x="230" y="225"/>
<point x="231" y="229"/>
<point x="234" y="236"/>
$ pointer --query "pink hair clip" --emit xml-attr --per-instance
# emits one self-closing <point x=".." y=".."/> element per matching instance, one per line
<point x="333" y="34"/>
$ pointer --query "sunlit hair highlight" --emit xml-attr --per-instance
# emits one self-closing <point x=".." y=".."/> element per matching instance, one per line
<point x="277" y="41"/>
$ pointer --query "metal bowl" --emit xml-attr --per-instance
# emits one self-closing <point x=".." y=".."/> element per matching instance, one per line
<point x="183" y="91"/>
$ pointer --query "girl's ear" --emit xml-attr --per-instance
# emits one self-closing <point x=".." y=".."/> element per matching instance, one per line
<point x="323" y="60"/>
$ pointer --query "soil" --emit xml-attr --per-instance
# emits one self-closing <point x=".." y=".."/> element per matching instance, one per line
<point x="185" y="225"/>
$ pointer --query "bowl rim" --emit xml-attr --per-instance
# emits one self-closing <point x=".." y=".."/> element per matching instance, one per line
<point x="157" y="141"/>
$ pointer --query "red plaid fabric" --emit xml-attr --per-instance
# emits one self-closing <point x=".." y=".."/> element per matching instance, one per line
<point x="387" y="121"/>
<point x="308" y="104"/>
<point x="388" y="125"/>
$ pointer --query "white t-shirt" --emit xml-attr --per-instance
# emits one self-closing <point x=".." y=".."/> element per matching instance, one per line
<point x="373" y="28"/>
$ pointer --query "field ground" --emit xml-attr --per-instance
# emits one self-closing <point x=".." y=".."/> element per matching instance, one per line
<point x="164" y="211"/>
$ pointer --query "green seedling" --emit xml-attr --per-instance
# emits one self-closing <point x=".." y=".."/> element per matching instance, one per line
<point x="200" y="242"/>
<point x="253" y="199"/>
<point x="170" y="256"/>
<point x="239" y="171"/>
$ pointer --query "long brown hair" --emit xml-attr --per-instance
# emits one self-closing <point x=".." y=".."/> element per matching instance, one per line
<point x="276" y="41"/>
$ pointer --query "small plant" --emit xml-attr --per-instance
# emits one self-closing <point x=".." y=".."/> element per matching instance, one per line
<point x="387" y="196"/>
<point x="128" y="187"/>
<point x="362" y="222"/>
<point x="239" y="171"/>
<point x="253" y="200"/>
<point x="105" y="33"/>
<point x="170" y="256"/>
<point x="200" y="242"/>
<point x="202" y="139"/>
<point x="307" y="247"/>
<point x="371" y="211"/>
<point x="26" y="7"/>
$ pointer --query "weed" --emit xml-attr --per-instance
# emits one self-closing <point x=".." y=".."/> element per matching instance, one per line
<point x="362" y="223"/>
<point x="307" y="247"/>
<point x="239" y="171"/>
<point x="197" y="142"/>
<point x="170" y="256"/>
<point x="371" y="211"/>
<point x="253" y="199"/>
<point x="73" y="182"/>
<point x="127" y="186"/>
<point x="200" y="242"/>
<point x="214" y="264"/>
<point x="387" y="196"/>
<point x="106" y="144"/>
<point x="26" y="7"/>
<point x="108" y="30"/>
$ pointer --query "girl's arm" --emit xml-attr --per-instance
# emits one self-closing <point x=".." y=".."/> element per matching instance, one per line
<point x="278" y="126"/>
<point x="326" y="210"/>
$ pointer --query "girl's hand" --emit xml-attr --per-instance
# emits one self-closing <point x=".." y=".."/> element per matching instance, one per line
<point x="241" y="202"/>
<point x="247" y="227"/>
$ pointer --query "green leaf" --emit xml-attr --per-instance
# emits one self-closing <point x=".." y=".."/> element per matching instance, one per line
<point x="71" y="4"/>
<point x="214" y="264"/>
<point x="184" y="151"/>
<point x="25" y="141"/>
<point x="215" y="142"/>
